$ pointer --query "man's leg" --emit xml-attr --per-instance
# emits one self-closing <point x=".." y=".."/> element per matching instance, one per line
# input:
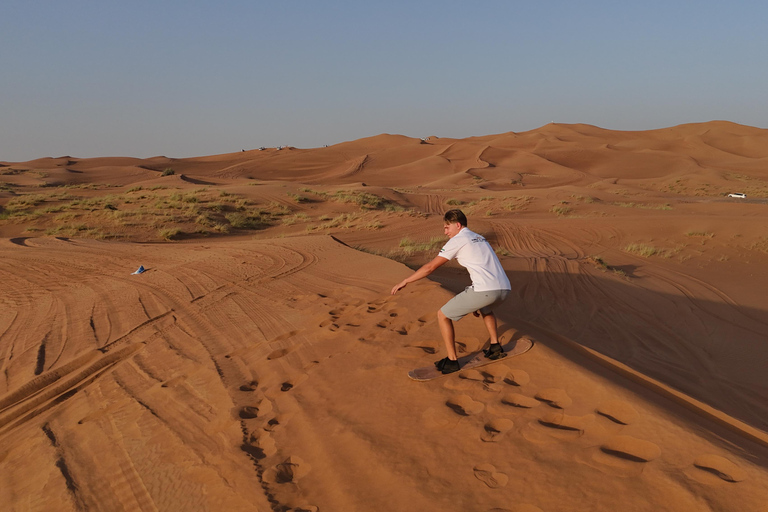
<point x="490" y="324"/>
<point x="446" y="329"/>
<point x="495" y="350"/>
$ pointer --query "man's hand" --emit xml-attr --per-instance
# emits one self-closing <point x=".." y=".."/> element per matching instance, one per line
<point x="423" y="272"/>
<point x="398" y="287"/>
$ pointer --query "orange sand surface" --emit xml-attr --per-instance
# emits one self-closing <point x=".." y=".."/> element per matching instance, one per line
<point x="260" y="363"/>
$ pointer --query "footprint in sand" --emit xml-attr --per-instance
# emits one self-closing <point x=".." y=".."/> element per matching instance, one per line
<point x="264" y="442"/>
<point x="414" y="352"/>
<point x="290" y="470"/>
<point x="472" y="375"/>
<point x="251" y="386"/>
<point x="720" y="467"/>
<point x="630" y="448"/>
<point x="517" y="378"/>
<point x="618" y="412"/>
<point x="487" y="474"/>
<point x="249" y="412"/>
<point x="518" y="400"/>
<point x="560" y="421"/>
<point x="292" y="383"/>
<point x="304" y="508"/>
<point x="285" y="336"/>
<point x="495" y="373"/>
<point x="556" y="398"/>
<point x="414" y="325"/>
<point x="394" y="313"/>
<point x="330" y="324"/>
<point x="492" y="387"/>
<point x="557" y="427"/>
<point x="495" y="429"/>
<point x="465" y="406"/>
<point x="272" y="424"/>
<point x="277" y="354"/>
<point x="254" y="411"/>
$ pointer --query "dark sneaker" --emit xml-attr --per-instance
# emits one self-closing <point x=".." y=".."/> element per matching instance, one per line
<point x="495" y="351"/>
<point x="439" y="364"/>
<point x="450" y="366"/>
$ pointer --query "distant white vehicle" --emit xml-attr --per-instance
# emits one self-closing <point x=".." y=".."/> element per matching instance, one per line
<point x="738" y="195"/>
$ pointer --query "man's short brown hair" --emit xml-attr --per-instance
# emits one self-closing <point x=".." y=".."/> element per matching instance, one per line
<point x="452" y="216"/>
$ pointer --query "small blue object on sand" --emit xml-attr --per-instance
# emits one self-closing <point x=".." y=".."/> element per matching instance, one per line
<point x="140" y="270"/>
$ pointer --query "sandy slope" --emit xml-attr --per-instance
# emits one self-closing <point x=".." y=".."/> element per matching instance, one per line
<point x="267" y="370"/>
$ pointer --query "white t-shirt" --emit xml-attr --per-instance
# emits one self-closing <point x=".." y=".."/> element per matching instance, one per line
<point x="473" y="252"/>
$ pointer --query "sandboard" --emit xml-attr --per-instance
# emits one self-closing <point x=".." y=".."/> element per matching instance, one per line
<point x="474" y="360"/>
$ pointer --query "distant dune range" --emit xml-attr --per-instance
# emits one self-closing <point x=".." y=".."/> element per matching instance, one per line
<point x="260" y="362"/>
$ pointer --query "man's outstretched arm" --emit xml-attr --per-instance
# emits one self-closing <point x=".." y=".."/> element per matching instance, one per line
<point x="423" y="272"/>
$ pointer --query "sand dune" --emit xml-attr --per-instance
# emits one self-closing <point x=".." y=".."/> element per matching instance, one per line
<point x="260" y="362"/>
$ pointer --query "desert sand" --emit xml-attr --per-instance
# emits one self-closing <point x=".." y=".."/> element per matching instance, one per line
<point x="260" y="363"/>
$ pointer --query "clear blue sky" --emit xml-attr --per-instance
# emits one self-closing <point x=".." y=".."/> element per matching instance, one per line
<point x="191" y="78"/>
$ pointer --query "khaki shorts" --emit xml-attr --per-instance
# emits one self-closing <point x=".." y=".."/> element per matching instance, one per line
<point x="470" y="301"/>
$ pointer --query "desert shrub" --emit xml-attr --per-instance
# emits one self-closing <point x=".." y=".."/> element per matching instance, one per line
<point x="239" y="220"/>
<point x="409" y="246"/>
<point x="168" y="172"/>
<point x="364" y="200"/>
<point x="298" y="198"/>
<point x="342" y="221"/>
<point x="170" y="233"/>
<point x="641" y="250"/>
<point x="25" y="202"/>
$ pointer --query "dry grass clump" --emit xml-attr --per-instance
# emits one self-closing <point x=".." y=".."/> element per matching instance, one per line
<point x="342" y="221"/>
<point x="406" y="248"/>
<point x="138" y="211"/>
<point x="365" y="200"/>
<point x="170" y="233"/>
<point x="293" y="219"/>
<point x="644" y="250"/>
<point x="598" y="262"/>
<point x="518" y="203"/>
<point x="760" y="245"/>
<point x="586" y="199"/>
<point x="249" y="220"/>
<point x="409" y="247"/>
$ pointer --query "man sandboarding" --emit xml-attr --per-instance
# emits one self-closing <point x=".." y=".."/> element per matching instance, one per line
<point x="490" y="286"/>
